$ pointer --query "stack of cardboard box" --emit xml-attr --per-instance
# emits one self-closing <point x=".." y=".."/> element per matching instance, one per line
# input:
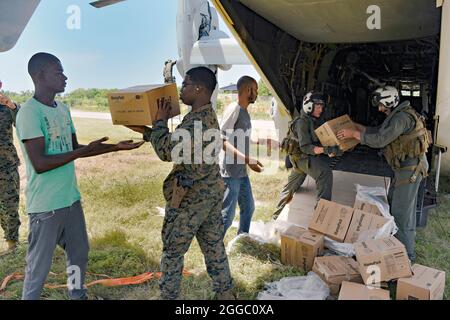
<point x="377" y="260"/>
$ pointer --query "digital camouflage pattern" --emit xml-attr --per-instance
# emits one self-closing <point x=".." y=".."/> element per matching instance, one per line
<point x="199" y="214"/>
<point x="9" y="176"/>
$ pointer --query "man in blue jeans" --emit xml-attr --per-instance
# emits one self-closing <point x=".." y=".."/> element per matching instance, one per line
<point x="49" y="144"/>
<point x="235" y="130"/>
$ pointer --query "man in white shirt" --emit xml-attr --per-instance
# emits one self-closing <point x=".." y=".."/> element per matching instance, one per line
<point x="236" y="133"/>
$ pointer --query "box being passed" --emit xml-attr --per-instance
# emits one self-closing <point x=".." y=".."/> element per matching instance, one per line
<point x="327" y="133"/>
<point x="138" y="105"/>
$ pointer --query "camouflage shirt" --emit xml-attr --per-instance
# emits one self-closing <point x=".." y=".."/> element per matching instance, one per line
<point x="8" y="154"/>
<point x="192" y="148"/>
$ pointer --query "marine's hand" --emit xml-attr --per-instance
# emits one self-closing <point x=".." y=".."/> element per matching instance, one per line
<point x="164" y="108"/>
<point x="346" y="133"/>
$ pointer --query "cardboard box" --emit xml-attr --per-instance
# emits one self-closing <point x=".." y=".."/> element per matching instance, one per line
<point x="138" y="105"/>
<point x="333" y="270"/>
<point x="327" y="133"/>
<point x="363" y="221"/>
<point x="331" y="219"/>
<point x="425" y="284"/>
<point x="299" y="247"/>
<point x="356" y="291"/>
<point x="382" y="260"/>
<point x="367" y="207"/>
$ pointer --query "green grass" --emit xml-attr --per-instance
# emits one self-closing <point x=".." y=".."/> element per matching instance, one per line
<point x="121" y="193"/>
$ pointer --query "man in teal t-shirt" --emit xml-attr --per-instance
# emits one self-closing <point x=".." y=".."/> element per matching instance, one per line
<point x="49" y="144"/>
<point x="56" y="188"/>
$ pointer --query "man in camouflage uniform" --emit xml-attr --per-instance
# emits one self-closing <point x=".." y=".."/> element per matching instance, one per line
<point x="194" y="189"/>
<point x="405" y="140"/>
<point x="9" y="175"/>
<point x="306" y="154"/>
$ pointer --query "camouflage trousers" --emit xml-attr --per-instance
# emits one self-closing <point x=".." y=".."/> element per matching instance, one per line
<point x="202" y="219"/>
<point x="9" y="202"/>
<point x="294" y="184"/>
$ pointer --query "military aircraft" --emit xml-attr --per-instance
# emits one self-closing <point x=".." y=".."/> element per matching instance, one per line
<point x="345" y="48"/>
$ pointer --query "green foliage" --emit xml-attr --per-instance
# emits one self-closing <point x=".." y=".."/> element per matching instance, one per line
<point x="19" y="98"/>
<point x="88" y="99"/>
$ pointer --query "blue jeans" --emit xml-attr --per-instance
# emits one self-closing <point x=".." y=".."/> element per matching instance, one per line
<point x="238" y="190"/>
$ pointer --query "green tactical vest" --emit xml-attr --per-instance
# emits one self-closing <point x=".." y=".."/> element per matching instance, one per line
<point x="290" y="144"/>
<point x="413" y="144"/>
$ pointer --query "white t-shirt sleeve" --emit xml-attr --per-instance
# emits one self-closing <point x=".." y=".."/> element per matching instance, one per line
<point x="229" y="119"/>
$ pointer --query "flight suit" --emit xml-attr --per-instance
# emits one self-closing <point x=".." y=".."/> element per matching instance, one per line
<point x="405" y="140"/>
<point x="305" y="161"/>
<point x="198" y="213"/>
<point x="9" y="176"/>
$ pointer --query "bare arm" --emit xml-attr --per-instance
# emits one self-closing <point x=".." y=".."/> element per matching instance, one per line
<point x="101" y="149"/>
<point x="255" y="165"/>
<point x="41" y="162"/>
<point x="228" y="147"/>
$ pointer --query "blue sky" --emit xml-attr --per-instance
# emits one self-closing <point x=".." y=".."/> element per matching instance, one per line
<point x="116" y="47"/>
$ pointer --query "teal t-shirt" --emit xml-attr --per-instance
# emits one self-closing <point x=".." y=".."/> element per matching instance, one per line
<point x="57" y="188"/>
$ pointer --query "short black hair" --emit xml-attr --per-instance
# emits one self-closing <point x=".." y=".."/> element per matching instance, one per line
<point x="39" y="62"/>
<point x="245" y="81"/>
<point x="203" y="76"/>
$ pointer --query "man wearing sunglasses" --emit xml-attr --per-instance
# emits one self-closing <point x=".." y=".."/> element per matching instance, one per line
<point x="194" y="188"/>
